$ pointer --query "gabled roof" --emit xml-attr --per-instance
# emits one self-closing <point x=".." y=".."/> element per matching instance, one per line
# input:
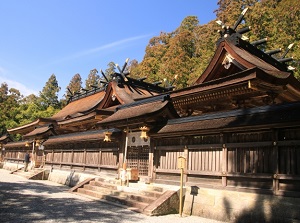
<point x="5" y="138"/>
<point x="31" y="126"/>
<point x="239" y="75"/>
<point x="86" y="108"/>
<point x="243" y="119"/>
<point x="40" y="132"/>
<point x="94" y="135"/>
<point x="230" y="58"/>
<point x="79" y="107"/>
<point x="16" y="145"/>
<point x="144" y="112"/>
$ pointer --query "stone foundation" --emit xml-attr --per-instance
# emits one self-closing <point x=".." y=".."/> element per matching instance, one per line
<point x="232" y="206"/>
<point x="68" y="177"/>
<point x="13" y="166"/>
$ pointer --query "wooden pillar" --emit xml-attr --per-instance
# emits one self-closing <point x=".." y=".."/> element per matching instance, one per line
<point x="61" y="159"/>
<point x="275" y="155"/>
<point x="99" y="160"/>
<point x="72" y="157"/>
<point x="155" y="161"/>
<point x="84" y="159"/>
<point x="224" y="161"/>
<point x="151" y="160"/>
<point x="121" y="150"/>
<point x="185" y="172"/>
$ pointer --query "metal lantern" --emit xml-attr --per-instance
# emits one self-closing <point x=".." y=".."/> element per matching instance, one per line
<point x="107" y="137"/>
<point x="37" y="143"/>
<point x="144" y="131"/>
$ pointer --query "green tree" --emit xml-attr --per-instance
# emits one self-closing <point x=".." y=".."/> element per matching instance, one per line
<point x="92" y="79"/>
<point x="9" y="104"/>
<point x="74" y="85"/>
<point x="111" y="69"/>
<point x="49" y="94"/>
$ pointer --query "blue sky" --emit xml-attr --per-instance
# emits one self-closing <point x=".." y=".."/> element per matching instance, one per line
<point x="65" y="37"/>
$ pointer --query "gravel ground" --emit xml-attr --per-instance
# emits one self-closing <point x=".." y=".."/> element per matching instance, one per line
<point x="23" y="200"/>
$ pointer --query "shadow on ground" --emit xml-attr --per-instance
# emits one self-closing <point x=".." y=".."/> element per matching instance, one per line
<point x="18" y="206"/>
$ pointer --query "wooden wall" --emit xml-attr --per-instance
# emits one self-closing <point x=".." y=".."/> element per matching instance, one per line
<point x="84" y="156"/>
<point x="264" y="161"/>
<point x="267" y="161"/>
<point x="93" y="156"/>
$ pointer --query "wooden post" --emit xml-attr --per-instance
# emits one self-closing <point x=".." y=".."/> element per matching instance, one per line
<point x="150" y="170"/>
<point x="126" y="145"/>
<point x="224" y="166"/>
<point x="224" y="161"/>
<point x="99" y="160"/>
<point x="186" y="155"/>
<point x="61" y="159"/>
<point x="72" y="157"/>
<point x="276" y="163"/>
<point x="181" y="164"/>
<point x="84" y="159"/>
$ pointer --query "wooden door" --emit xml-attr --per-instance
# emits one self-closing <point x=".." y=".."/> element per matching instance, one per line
<point x="138" y="158"/>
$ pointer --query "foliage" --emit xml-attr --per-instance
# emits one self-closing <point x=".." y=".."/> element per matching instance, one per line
<point x="49" y="94"/>
<point x="9" y="103"/>
<point x="186" y="52"/>
<point x="111" y="69"/>
<point x="93" y="79"/>
<point x="74" y="85"/>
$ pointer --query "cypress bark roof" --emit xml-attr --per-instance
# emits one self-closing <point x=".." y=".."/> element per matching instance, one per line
<point x="95" y="135"/>
<point x="41" y="132"/>
<point x="242" y="118"/>
<point x="141" y="112"/>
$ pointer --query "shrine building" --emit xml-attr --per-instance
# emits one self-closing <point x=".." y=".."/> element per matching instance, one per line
<point x="235" y="134"/>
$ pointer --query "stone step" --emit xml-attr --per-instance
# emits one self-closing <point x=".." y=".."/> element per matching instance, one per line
<point x="147" y="187"/>
<point x="104" y="184"/>
<point x="141" y="191"/>
<point x="108" y="180"/>
<point x="123" y="199"/>
<point x="24" y="174"/>
<point x="122" y="192"/>
<point x="91" y="186"/>
<point x="148" y="190"/>
<point x="139" y="185"/>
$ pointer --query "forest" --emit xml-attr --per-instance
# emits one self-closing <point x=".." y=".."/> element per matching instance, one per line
<point x="183" y="53"/>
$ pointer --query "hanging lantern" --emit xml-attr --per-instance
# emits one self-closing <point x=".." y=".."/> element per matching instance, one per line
<point x="27" y="144"/>
<point x="144" y="131"/>
<point x="37" y="143"/>
<point x="107" y="137"/>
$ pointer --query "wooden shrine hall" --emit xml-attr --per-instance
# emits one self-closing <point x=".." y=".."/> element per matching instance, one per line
<point x="237" y="127"/>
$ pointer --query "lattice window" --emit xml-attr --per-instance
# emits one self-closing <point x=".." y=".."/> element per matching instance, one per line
<point x="138" y="158"/>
